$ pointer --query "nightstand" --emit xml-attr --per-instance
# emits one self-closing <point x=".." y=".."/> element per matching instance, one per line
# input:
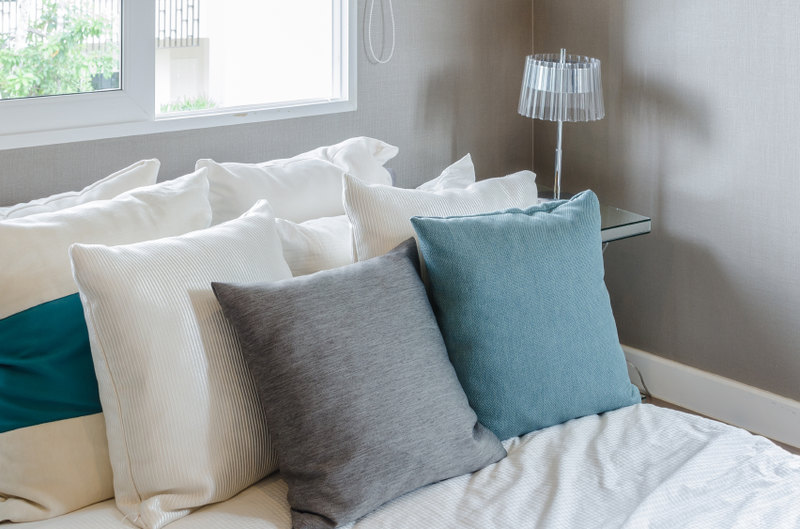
<point x="619" y="224"/>
<point x="615" y="224"/>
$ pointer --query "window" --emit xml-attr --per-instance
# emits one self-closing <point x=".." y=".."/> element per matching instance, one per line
<point x="52" y="48"/>
<point x="211" y="63"/>
<point x="209" y="56"/>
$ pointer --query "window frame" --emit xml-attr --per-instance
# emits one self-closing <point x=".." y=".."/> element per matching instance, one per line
<point x="130" y="111"/>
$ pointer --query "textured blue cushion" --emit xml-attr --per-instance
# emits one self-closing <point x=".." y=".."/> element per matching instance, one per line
<point x="525" y="314"/>
<point x="47" y="372"/>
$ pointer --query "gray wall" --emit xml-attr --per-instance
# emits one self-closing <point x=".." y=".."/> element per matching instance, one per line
<point x="452" y="88"/>
<point x="702" y="133"/>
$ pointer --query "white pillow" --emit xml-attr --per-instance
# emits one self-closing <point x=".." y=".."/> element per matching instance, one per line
<point x="320" y="244"/>
<point x="59" y="462"/>
<point x="456" y="176"/>
<point x="142" y="173"/>
<point x="361" y="156"/>
<point x="381" y="214"/>
<point x="184" y="425"/>
<point x="39" y="243"/>
<point x="304" y="187"/>
<point x="316" y="244"/>
<point x="297" y="190"/>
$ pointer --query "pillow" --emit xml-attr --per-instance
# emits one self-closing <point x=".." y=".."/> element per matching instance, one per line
<point x="525" y="314"/>
<point x="320" y="244"/>
<point x="141" y="173"/>
<point x="182" y="417"/>
<point x="316" y="244"/>
<point x="361" y="156"/>
<point x="53" y="448"/>
<point x="458" y="175"/>
<point x="305" y="187"/>
<point x="380" y="214"/>
<point x="367" y="406"/>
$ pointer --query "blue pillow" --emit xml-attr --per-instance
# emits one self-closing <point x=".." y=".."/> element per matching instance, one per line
<point x="525" y="314"/>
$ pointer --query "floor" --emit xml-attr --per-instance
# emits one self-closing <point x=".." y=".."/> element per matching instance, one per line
<point x="665" y="404"/>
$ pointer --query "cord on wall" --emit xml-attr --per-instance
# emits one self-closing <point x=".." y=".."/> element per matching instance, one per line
<point x="646" y="395"/>
<point x="371" y="55"/>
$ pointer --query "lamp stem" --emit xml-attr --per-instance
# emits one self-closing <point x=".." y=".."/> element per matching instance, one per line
<point x="557" y="183"/>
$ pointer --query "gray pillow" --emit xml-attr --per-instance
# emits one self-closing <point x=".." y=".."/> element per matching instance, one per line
<point x="361" y="400"/>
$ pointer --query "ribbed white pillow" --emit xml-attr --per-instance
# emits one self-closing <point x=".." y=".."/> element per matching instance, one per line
<point x="381" y="214"/>
<point x="304" y="187"/>
<point x="327" y="242"/>
<point x="142" y="173"/>
<point x="56" y="467"/>
<point x="184" y="425"/>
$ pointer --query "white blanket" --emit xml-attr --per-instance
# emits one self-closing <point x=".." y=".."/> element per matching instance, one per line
<point x="633" y="468"/>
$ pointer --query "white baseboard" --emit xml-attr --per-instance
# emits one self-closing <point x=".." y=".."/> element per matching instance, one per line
<point x="723" y="399"/>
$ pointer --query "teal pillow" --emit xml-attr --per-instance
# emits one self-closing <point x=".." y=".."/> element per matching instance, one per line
<point x="47" y="371"/>
<point x="525" y="314"/>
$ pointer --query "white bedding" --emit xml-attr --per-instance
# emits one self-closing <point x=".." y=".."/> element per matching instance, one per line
<point x="636" y="467"/>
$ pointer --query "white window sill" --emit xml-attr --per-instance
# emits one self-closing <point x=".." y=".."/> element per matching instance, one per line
<point x="173" y="123"/>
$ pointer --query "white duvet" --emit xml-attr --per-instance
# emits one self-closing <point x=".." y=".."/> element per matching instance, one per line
<point x="638" y="467"/>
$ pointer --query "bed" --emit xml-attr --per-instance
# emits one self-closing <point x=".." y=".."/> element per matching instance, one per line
<point x="299" y="343"/>
<point x="641" y="466"/>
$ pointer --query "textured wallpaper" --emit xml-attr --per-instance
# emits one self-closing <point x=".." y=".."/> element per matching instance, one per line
<point x="701" y="133"/>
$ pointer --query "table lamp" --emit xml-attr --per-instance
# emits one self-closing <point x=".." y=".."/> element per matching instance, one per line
<point x="561" y="87"/>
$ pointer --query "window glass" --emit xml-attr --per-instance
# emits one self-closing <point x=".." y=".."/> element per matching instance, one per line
<point x="222" y="54"/>
<point x="59" y="47"/>
<point x="113" y="68"/>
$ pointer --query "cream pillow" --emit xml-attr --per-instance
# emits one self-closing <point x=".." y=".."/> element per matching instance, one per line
<point x="183" y="421"/>
<point x="53" y="447"/>
<point x="304" y="187"/>
<point x="142" y="173"/>
<point x="381" y="215"/>
<point x="324" y="243"/>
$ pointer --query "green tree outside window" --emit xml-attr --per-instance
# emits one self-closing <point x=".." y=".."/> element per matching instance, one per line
<point x="64" y="53"/>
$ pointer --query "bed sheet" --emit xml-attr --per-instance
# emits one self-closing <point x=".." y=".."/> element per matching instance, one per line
<point x="641" y="466"/>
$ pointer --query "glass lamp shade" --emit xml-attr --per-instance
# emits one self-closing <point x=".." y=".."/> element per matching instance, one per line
<point x="562" y="88"/>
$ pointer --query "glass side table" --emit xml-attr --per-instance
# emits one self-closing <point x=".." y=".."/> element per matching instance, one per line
<point x="615" y="223"/>
<point x="619" y="224"/>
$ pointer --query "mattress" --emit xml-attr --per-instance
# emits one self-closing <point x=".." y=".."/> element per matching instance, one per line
<point x="641" y="466"/>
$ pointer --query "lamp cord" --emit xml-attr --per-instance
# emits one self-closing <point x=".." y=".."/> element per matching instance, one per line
<point x="646" y="395"/>
<point x="370" y="49"/>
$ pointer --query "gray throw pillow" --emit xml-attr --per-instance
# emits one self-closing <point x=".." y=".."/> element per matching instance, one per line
<point x="361" y="400"/>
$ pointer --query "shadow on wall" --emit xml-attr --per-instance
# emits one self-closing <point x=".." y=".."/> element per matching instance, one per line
<point x="731" y="322"/>
<point x="439" y="112"/>
<point x="685" y="300"/>
<point x="473" y="94"/>
<point x="651" y="117"/>
<point x="445" y="110"/>
<point x="642" y="158"/>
